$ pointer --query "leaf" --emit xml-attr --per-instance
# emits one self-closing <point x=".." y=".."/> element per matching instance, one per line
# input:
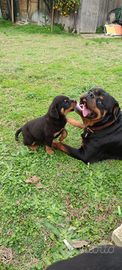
<point x="18" y="202"/>
<point x="52" y="236"/>
<point x="52" y="228"/>
<point x="67" y="244"/>
<point x="39" y="185"/>
<point x="34" y="179"/>
<point x="79" y="244"/>
<point x="119" y="210"/>
<point x="26" y="172"/>
<point x="72" y="228"/>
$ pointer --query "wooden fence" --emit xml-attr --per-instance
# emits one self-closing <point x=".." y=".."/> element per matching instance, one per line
<point x="92" y="13"/>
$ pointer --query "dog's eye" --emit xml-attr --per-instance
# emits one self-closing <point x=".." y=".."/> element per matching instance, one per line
<point x="100" y="101"/>
<point x="65" y="100"/>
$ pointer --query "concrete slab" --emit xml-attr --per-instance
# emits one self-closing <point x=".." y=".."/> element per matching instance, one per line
<point x="99" y="36"/>
<point x="117" y="236"/>
<point x="104" y="243"/>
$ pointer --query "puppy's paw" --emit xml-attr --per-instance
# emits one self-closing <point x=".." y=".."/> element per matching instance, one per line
<point x="61" y="138"/>
<point x="63" y="135"/>
<point x="33" y="147"/>
<point x="49" y="150"/>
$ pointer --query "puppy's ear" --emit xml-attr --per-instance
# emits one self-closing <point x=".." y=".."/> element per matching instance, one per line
<point x="116" y="111"/>
<point x="53" y="111"/>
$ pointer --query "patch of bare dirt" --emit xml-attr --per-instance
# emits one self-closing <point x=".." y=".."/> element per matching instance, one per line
<point x="6" y="254"/>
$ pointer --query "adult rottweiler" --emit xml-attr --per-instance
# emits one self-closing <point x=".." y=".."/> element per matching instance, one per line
<point x="102" y="136"/>
<point x="49" y="126"/>
<point x="101" y="258"/>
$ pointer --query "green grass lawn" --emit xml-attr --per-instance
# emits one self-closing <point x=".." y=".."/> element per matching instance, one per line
<point x="35" y="66"/>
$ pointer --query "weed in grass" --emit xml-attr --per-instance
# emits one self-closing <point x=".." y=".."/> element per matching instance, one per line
<point x="119" y="211"/>
<point x="5" y="23"/>
<point x="100" y="29"/>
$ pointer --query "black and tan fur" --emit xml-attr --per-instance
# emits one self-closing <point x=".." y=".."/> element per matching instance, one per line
<point x="45" y="128"/>
<point x="102" y="119"/>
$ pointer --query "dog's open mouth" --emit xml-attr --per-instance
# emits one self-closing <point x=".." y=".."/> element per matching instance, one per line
<point x="85" y="111"/>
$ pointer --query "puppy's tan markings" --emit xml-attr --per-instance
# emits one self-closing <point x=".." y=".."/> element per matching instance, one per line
<point x="33" y="147"/>
<point x="68" y="110"/>
<point x="49" y="150"/>
<point x="63" y="135"/>
<point x="62" y="110"/>
<point x="55" y="134"/>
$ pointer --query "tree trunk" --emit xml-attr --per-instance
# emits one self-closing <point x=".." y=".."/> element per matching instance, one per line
<point x="52" y="17"/>
<point x="12" y="11"/>
<point x="38" y="13"/>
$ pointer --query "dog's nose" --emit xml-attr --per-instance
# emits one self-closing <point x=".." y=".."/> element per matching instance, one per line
<point x="90" y="94"/>
<point x="74" y="101"/>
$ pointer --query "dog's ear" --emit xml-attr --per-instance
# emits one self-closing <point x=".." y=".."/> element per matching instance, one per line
<point x="116" y="111"/>
<point x="53" y="111"/>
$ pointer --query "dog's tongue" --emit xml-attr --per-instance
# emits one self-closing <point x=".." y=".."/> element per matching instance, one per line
<point x="85" y="110"/>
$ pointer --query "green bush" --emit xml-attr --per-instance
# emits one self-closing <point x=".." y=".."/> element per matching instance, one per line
<point x="100" y="29"/>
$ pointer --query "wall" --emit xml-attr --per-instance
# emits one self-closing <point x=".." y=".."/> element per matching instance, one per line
<point x="39" y="17"/>
<point x="0" y="10"/>
<point x="67" y="22"/>
<point x="4" y="8"/>
<point x="104" y="7"/>
<point x="91" y="14"/>
<point x="32" y="10"/>
<point x="88" y="16"/>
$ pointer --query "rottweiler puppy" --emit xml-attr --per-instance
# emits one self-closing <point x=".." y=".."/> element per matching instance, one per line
<point x="101" y="258"/>
<point x="44" y="129"/>
<point x="102" y="136"/>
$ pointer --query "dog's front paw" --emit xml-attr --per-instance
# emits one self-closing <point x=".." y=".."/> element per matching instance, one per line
<point x="49" y="150"/>
<point x="56" y="145"/>
<point x="63" y="135"/>
<point x="33" y="147"/>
